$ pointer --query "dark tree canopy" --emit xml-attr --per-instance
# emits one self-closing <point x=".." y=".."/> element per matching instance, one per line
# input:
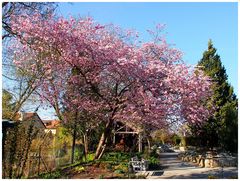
<point x="221" y="128"/>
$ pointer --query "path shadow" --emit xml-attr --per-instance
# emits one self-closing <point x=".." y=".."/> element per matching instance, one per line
<point x="163" y="167"/>
<point x="207" y="175"/>
<point x="157" y="173"/>
<point x="229" y="174"/>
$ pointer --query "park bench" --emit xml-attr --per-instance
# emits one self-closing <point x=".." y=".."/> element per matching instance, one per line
<point x="139" y="165"/>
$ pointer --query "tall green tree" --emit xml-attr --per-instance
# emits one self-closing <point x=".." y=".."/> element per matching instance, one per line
<point x="221" y="128"/>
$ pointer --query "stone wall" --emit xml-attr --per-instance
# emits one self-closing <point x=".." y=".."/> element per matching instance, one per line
<point x="209" y="160"/>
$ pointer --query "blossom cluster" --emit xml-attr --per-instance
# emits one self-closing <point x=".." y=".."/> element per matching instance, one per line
<point x="92" y="67"/>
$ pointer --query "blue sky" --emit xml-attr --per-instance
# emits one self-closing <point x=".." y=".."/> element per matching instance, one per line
<point x="188" y="25"/>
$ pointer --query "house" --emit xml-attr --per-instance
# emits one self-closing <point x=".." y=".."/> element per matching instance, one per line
<point x="6" y="125"/>
<point x="23" y="118"/>
<point x="51" y="126"/>
<point x="30" y="118"/>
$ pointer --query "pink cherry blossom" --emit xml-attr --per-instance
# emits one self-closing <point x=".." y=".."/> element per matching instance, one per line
<point x="114" y="79"/>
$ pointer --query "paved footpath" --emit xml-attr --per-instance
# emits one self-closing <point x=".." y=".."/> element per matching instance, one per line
<point x="174" y="168"/>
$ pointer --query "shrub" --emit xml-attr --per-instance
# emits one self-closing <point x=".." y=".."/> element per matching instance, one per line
<point x="101" y="176"/>
<point x="154" y="162"/>
<point x="79" y="169"/>
<point x="133" y="176"/>
<point x="122" y="168"/>
<point x="153" y="153"/>
<point x="212" y="177"/>
<point x="116" y="157"/>
<point x="50" y="175"/>
<point x="90" y="156"/>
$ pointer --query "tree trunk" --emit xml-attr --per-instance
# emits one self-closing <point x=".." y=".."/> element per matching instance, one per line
<point x="73" y="142"/>
<point x="28" y="146"/>
<point x="103" y="149"/>
<point x="12" y="151"/>
<point x="39" y="160"/>
<point x="102" y="141"/>
<point x="140" y="142"/>
<point x="163" y="142"/>
<point x="149" y="145"/>
<point x="4" y="133"/>
<point x="85" y="140"/>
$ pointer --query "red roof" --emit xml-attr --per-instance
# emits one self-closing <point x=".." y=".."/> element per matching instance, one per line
<point x="51" y="124"/>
